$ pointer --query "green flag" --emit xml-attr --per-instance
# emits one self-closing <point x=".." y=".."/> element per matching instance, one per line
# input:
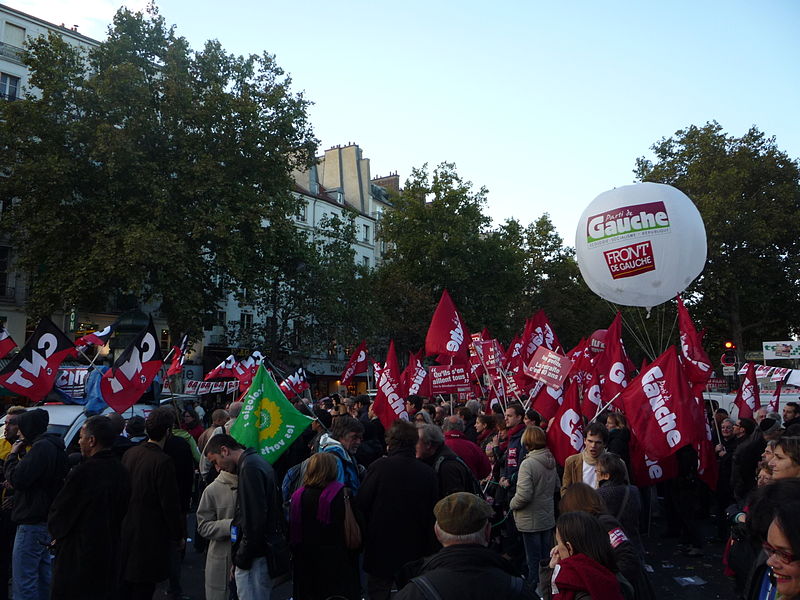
<point x="268" y="422"/>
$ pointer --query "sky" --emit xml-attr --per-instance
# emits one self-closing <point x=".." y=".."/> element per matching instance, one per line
<point x="546" y="104"/>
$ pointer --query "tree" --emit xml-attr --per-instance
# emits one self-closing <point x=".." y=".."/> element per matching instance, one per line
<point x="438" y="237"/>
<point x="148" y="169"/>
<point x="748" y="193"/>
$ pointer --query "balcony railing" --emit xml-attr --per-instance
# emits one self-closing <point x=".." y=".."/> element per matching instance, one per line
<point x="11" y="52"/>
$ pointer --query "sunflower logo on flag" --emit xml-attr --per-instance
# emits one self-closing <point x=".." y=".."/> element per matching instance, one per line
<point x="269" y="420"/>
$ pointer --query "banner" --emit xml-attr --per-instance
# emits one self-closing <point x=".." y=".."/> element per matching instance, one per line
<point x="447" y="379"/>
<point x="781" y="350"/>
<point x="549" y="367"/>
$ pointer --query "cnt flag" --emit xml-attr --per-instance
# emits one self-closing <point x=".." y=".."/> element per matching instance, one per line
<point x="96" y="338"/>
<point x="295" y="384"/>
<point x="33" y="370"/>
<point x="133" y="372"/>
<point x="223" y="370"/>
<point x="7" y="344"/>
<point x="179" y="353"/>
<point x="268" y="422"/>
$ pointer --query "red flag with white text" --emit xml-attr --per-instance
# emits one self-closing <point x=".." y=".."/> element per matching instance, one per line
<point x="133" y="372"/>
<point x="647" y="471"/>
<point x="34" y="368"/>
<point x="695" y="360"/>
<point x="612" y="363"/>
<point x="565" y="434"/>
<point x="245" y="370"/>
<point x="538" y="332"/>
<point x="707" y="463"/>
<point x="547" y="400"/>
<point x="96" y="338"/>
<point x="748" y="399"/>
<point x="179" y="354"/>
<point x="775" y="401"/>
<point x="447" y="335"/>
<point x="358" y="363"/>
<point x="389" y="405"/>
<point x="416" y="377"/>
<point x="295" y="384"/>
<point x="660" y="407"/>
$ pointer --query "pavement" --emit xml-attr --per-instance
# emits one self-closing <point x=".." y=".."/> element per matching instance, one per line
<point x="674" y="574"/>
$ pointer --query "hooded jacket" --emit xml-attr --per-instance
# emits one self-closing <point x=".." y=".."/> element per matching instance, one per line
<point x="347" y="468"/>
<point x="537" y="482"/>
<point x="37" y="477"/>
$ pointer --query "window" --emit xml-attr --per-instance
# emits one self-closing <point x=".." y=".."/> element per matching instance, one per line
<point x="366" y="234"/>
<point x="222" y="318"/>
<point x="365" y="261"/>
<point x="9" y="86"/>
<point x="246" y="320"/>
<point x="303" y="216"/>
<point x="14" y="35"/>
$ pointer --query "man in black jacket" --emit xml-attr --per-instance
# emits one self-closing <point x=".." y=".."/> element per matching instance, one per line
<point x="256" y="515"/>
<point x="453" y="474"/>
<point x="36" y="481"/>
<point x="464" y="569"/>
<point x="86" y="518"/>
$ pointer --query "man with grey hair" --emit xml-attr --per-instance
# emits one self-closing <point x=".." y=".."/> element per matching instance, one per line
<point x="468" y="451"/>
<point x="452" y="473"/>
<point x="464" y="568"/>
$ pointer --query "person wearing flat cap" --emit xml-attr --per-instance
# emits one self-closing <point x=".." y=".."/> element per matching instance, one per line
<point x="464" y="569"/>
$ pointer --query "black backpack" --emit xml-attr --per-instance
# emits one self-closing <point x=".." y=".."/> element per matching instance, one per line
<point x="473" y="486"/>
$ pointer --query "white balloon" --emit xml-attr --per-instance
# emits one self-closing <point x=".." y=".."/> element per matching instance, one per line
<point x="640" y="245"/>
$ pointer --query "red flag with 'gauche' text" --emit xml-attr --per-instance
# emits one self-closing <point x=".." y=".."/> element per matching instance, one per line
<point x="124" y="383"/>
<point x="33" y="370"/>
<point x="660" y="407"/>
<point x="358" y="364"/>
<point x="389" y="404"/>
<point x="748" y="399"/>
<point x="565" y="434"/>
<point x="447" y="336"/>
<point x="696" y="362"/>
<point x="612" y="364"/>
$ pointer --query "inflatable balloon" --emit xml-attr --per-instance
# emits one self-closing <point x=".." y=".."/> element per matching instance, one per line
<point x="640" y="245"/>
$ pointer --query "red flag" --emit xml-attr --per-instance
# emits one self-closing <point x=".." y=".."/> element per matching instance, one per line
<point x="389" y="405"/>
<point x="416" y="377"/>
<point x="124" y="383"/>
<point x="222" y="370"/>
<point x="547" y="400"/>
<point x="648" y="471"/>
<point x="660" y="407"/>
<point x="565" y="434"/>
<point x="612" y="364"/>
<point x="246" y="369"/>
<point x="775" y="401"/>
<point x="592" y="396"/>
<point x="748" y="399"/>
<point x="295" y="384"/>
<point x="7" y="344"/>
<point x="696" y="361"/>
<point x="33" y="370"/>
<point x="96" y="338"/>
<point x="358" y="364"/>
<point x="538" y="332"/>
<point x="178" y="357"/>
<point x="447" y="336"/>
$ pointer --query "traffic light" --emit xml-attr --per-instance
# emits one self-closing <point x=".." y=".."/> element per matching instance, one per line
<point x="729" y="345"/>
<point x="729" y="354"/>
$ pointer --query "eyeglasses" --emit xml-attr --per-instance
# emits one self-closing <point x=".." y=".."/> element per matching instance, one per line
<point x="784" y="557"/>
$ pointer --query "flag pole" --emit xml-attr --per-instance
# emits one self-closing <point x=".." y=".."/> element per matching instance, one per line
<point x="491" y="381"/>
<point x="605" y="406"/>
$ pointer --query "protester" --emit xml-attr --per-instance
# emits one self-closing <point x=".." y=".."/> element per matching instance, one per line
<point x="154" y="523"/>
<point x="581" y="467"/>
<point x="215" y="514"/>
<point x="468" y="415"/>
<point x="725" y="450"/>
<point x="486" y="426"/>
<point x="746" y="458"/>
<point x="581" y="563"/>
<point x="85" y="519"/>
<point x="317" y="531"/>
<point x="464" y="569"/>
<point x="136" y="430"/>
<point x="764" y="476"/>
<point x="413" y="404"/>
<point x="532" y="418"/>
<point x="423" y="417"/>
<point x="452" y="473"/>
<point x="36" y="480"/>
<point x="619" y="436"/>
<point x="785" y="462"/>
<point x="398" y="484"/>
<point x="343" y="442"/>
<point x="620" y="497"/>
<point x="7" y="526"/>
<point x="783" y="550"/>
<point x="218" y="418"/>
<point x="533" y="505"/>
<point x="256" y="516"/>
<point x="791" y="414"/>
<point x="468" y="451"/>
<point x="121" y="443"/>
<point x="582" y="497"/>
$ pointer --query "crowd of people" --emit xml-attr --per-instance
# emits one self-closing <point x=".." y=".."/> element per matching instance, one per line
<point x="461" y="501"/>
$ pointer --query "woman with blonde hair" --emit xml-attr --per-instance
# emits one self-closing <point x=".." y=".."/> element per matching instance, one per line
<point x="323" y="565"/>
<point x="533" y="502"/>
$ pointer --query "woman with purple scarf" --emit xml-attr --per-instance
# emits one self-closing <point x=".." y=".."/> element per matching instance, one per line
<point x="322" y="565"/>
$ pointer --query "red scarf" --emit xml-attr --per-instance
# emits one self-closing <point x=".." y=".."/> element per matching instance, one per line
<point x="509" y="434"/>
<point x="579" y="573"/>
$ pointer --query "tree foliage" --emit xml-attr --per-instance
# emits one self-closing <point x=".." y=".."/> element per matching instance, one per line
<point x="748" y="193"/>
<point x="146" y="168"/>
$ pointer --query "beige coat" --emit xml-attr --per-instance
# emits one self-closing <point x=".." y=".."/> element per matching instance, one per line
<point x="537" y="482"/>
<point x="214" y="516"/>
